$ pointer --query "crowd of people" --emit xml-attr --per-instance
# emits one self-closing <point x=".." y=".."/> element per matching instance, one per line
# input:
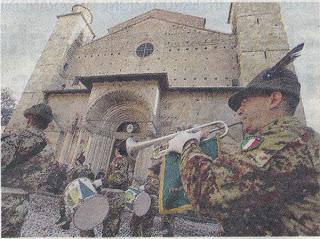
<point x="269" y="188"/>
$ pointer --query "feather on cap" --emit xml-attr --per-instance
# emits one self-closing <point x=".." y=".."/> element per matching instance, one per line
<point x="286" y="60"/>
<point x="276" y="78"/>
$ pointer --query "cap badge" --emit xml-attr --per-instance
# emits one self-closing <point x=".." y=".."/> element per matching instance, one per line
<point x="268" y="76"/>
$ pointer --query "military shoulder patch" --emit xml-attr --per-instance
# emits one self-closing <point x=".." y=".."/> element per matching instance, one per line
<point x="251" y="142"/>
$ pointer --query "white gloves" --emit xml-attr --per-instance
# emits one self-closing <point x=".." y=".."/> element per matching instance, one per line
<point x="141" y="187"/>
<point x="97" y="183"/>
<point x="176" y="144"/>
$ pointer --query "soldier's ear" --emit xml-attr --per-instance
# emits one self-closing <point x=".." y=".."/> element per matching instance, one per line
<point x="276" y="98"/>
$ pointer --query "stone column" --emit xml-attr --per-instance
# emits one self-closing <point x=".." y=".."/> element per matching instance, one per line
<point x="79" y="144"/>
<point x="66" y="146"/>
<point x="99" y="150"/>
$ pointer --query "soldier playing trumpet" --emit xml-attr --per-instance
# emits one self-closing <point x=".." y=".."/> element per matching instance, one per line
<point x="271" y="186"/>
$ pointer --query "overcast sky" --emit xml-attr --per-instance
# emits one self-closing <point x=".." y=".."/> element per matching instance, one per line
<point x="25" y="29"/>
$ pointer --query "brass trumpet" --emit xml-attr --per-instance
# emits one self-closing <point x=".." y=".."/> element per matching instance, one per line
<point x="130" y="146"/>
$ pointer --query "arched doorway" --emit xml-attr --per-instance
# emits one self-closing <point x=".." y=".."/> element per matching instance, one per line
<point x="104" y="118"/>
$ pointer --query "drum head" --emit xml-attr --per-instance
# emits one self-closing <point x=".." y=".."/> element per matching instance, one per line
<point x="142" y="204"/>
<point x="91" y="212"/>
<point x="77" y="191"/>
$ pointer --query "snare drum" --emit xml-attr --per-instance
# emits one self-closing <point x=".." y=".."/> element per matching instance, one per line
<point x="87" y="207"/>
<point x="137" y="201"/>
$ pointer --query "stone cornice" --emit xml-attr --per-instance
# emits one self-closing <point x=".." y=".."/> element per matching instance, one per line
<point x="84" y="19"/>
<point x="87" y="81"/>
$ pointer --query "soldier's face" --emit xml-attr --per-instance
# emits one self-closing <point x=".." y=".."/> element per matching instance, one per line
<point x="254" y="113"/>
<point x="31" y="120"/>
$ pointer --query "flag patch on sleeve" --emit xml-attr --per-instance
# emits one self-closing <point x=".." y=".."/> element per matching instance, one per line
<point x="251" y="142"/>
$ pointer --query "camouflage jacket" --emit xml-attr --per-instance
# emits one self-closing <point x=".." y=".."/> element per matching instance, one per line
<point x="152" y="186"/>
<point x="269" y="189"/>
<point x="118" y="174"/>
<point x="20" y="166"/>
<point x="79" y="171"/>
<point x="56" y="178"/>
<point x="20" y="145"/>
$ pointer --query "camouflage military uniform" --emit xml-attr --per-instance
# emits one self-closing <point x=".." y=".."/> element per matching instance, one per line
<point x="167" y="221"/>
<point x="56" y="178"/>
<point x="270" y="189"/>
<point x="79" y="171"/>
<point x="116" y="179"/>
<point x="20" y="145"/>
<point x="141" y="226"/>
<point x="18" y="171"/>
<point x="14" y="209"/>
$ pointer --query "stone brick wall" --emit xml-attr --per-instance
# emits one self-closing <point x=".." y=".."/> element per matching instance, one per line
<point x="181" y="109"/>
<point x="261" y="37"/>
<point x="67" y="132"/>
<point x="192" y="57"/>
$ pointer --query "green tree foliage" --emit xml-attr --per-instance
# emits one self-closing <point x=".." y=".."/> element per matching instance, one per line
<point x="8" y="104"/>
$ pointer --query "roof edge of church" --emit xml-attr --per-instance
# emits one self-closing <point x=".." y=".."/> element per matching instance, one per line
<point x="162" y="14"/>
<point x="150" y="17"/>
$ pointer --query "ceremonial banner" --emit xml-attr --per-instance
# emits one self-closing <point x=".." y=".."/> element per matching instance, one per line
<point x="172" y="197"/>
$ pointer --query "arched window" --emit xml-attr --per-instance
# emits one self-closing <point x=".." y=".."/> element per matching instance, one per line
<point x="129" y="127"/>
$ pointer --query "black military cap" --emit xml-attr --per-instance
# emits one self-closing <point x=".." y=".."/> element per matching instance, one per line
<point x="43" y="111"/>
<point x="276" y="78"/>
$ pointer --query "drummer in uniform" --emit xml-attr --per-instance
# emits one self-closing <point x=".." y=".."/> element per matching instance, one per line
<point x="141" y="226"/>
<point x="20" y="173"/>
<point x="78" y="171"/>
<point x="116" y="180"/>
<point x="114" y="185"/>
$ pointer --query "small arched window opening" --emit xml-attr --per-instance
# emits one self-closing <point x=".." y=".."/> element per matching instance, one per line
<point x="129" y="127"/>
<point x="144" y="50"/>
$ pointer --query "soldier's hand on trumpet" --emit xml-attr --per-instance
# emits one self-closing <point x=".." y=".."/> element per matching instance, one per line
<point x="178" y="142"/>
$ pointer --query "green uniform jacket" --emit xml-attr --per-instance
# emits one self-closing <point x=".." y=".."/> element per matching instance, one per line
<point x="270" y="188"/>
<point x="118" y="173"/>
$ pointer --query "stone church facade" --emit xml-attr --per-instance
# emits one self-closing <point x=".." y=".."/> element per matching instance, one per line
<point x="156" y="72"/>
